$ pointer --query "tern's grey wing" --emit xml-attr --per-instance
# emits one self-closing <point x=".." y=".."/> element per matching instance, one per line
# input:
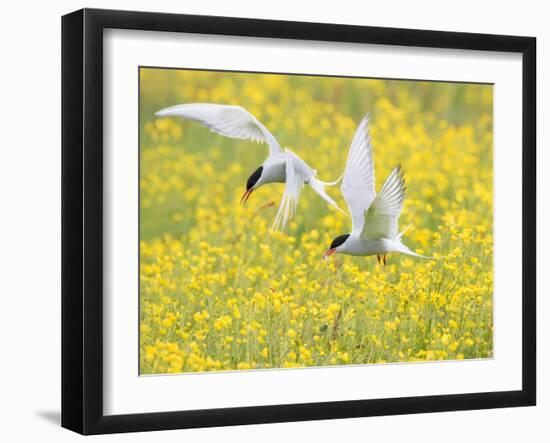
<point x="358" y="181"/>
<point x="382" y="216"/>
<point x="229" y="120"/>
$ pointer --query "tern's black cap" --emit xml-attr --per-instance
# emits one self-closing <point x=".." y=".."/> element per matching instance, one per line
<point x="338" y="241"/>
<point x="254" y="178"/>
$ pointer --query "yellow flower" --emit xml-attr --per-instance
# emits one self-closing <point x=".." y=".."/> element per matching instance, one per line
<point x="222" y="322"/>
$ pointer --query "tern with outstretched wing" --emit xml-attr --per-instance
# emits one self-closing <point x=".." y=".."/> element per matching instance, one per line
<point x="374" y="217"/>
<point x="281" y="165"/>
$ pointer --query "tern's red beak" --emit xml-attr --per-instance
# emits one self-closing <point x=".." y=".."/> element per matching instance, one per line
<point x="245" y="196"/>
<point x="329" y="253"/>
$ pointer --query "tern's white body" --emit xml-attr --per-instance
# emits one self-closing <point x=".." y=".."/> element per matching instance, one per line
<point x="374" y="216"/>
<point x="281" y="166"/>
<point x="357" y="246"/>
<point x="273" y="170"/>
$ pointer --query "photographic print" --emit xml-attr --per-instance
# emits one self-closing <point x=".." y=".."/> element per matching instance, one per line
<point x="294" y="221"/>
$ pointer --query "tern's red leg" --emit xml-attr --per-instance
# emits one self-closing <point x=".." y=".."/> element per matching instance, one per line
<point x="378" y="258"/>
<point x="385" y="259"/>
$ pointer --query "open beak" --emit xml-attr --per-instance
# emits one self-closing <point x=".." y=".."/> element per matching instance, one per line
<point x="328" y="253"/>
<point x="245" y="196"/>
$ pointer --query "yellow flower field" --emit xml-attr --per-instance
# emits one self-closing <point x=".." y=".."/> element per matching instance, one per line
<point x="219" y="291"/>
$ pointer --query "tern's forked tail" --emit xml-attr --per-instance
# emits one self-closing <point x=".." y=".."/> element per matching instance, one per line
<point x="319" y="187"/>
<point x="405" y="250"/>
<point x="400" y="235"/>
<point x="335" y="182"/>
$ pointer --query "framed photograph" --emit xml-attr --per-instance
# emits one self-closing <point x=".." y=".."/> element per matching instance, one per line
<point x="269" y="221"/>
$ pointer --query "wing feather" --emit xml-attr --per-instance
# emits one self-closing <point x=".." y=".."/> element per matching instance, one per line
<point x="358" y="181"/>
<point x="380" y="219"/>
<point x="297" y="173"/>
<point x="228" y="120"/>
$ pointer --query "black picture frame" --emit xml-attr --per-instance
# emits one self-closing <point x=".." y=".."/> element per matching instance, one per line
<point x="82" y="220"/>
